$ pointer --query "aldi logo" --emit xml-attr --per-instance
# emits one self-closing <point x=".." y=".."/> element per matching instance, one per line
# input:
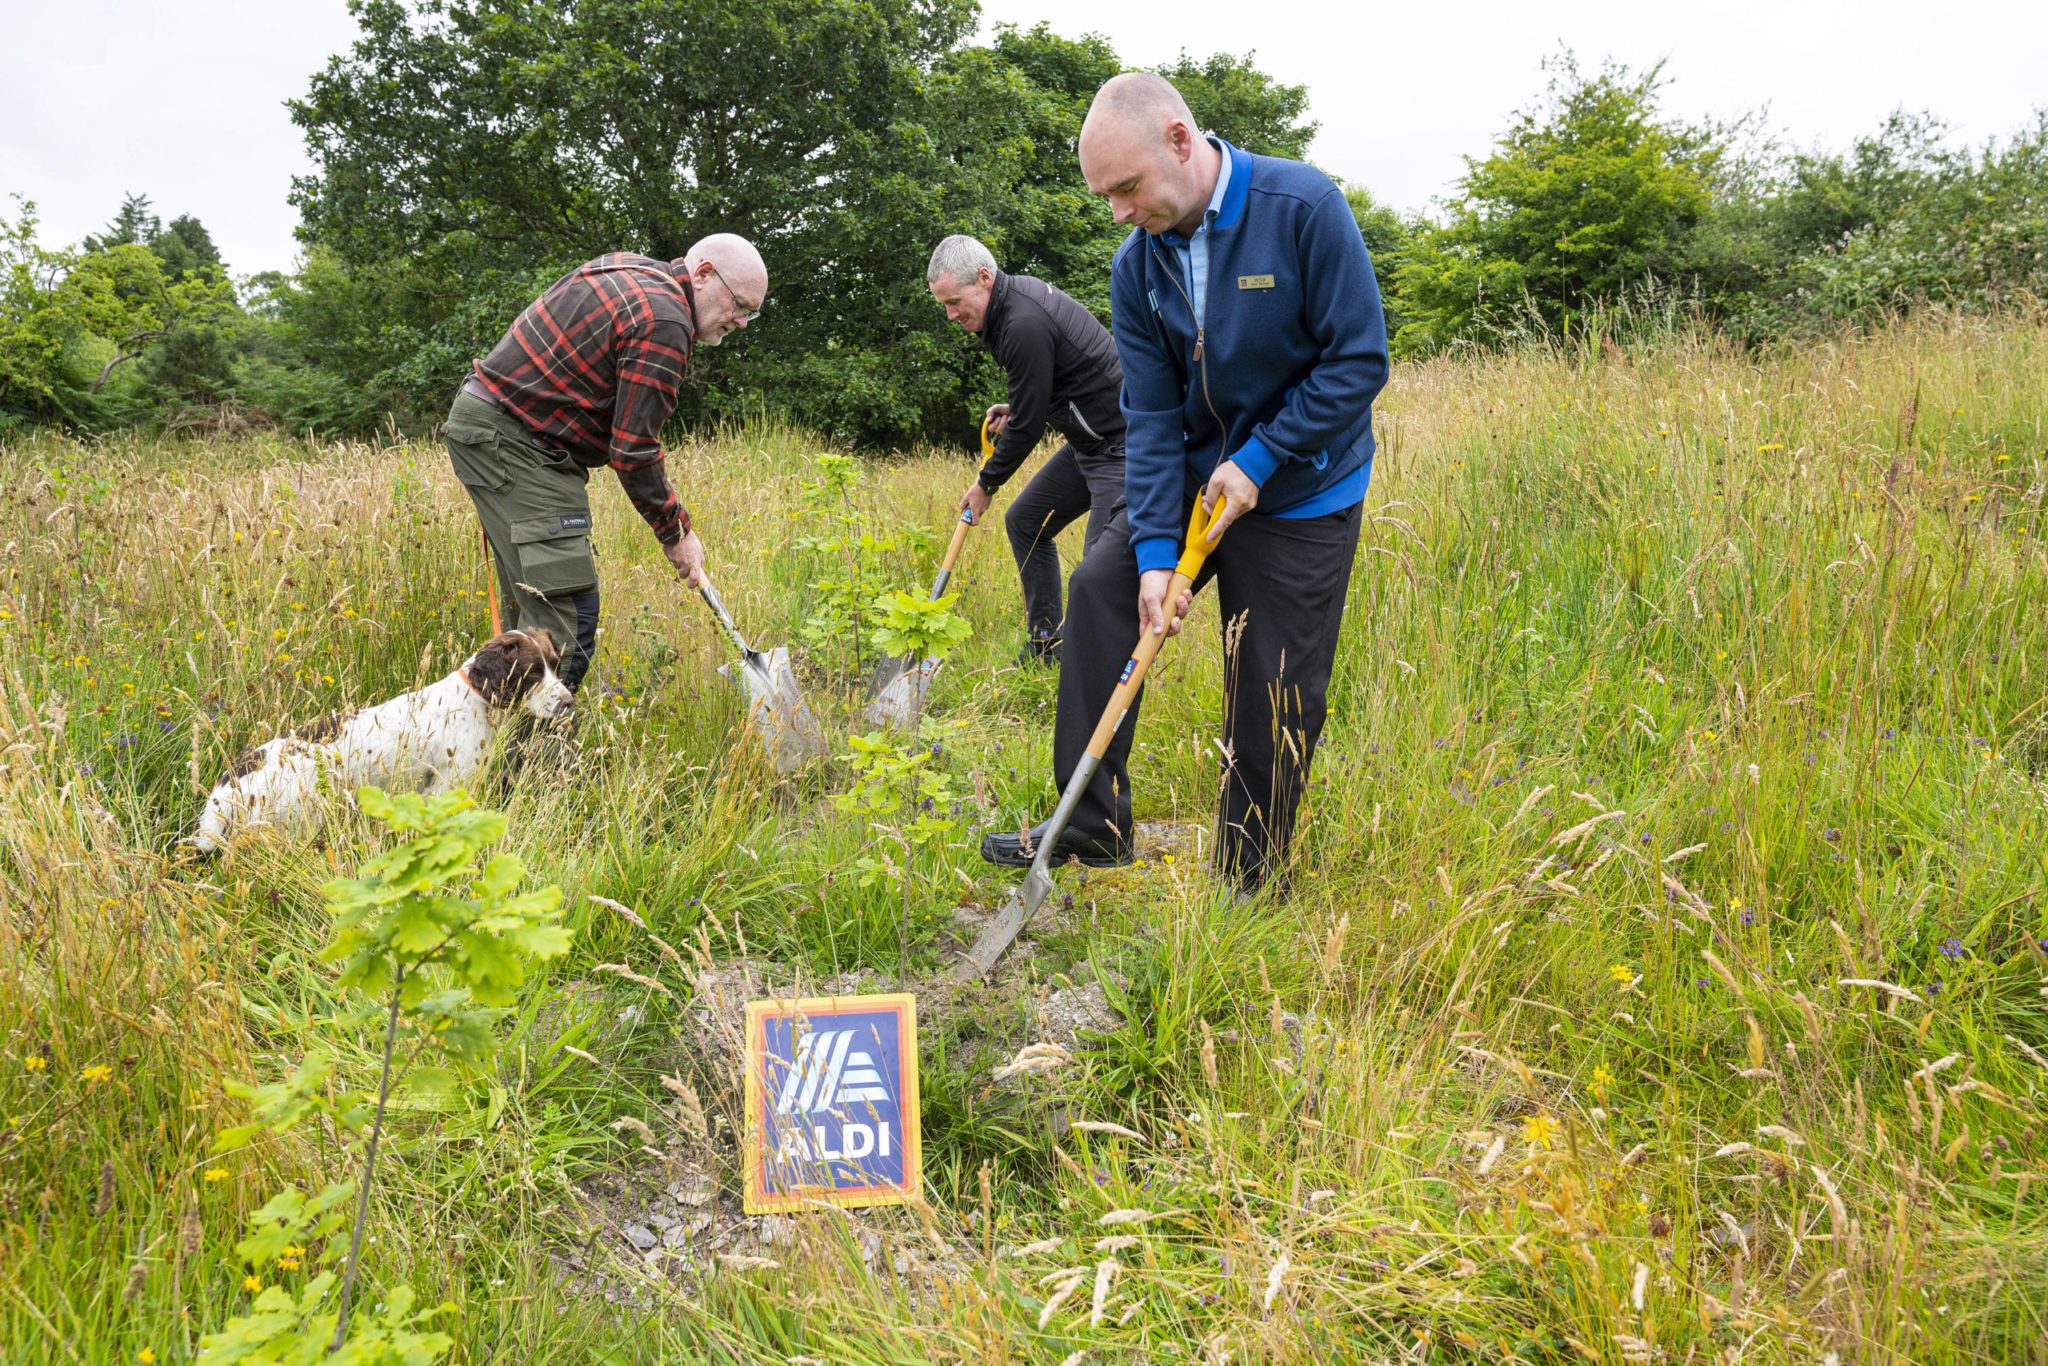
<point x="832" y="1102"/>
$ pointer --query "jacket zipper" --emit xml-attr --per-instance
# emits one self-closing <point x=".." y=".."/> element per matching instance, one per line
<point x="1081" y="421"/>
<point x="1201" y="338"/>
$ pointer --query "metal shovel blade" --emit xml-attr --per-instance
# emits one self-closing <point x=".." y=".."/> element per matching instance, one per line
<point x="777" y="709"/>
<point x="1000" y="932"/>
<point x="901" y="687"/>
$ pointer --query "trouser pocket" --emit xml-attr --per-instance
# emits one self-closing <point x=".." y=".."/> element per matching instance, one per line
<point x="473" y="451"/>
<point x="554" y="554"/>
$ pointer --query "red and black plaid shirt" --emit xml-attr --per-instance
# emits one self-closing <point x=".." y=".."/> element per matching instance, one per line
<point x="595" y="363"/>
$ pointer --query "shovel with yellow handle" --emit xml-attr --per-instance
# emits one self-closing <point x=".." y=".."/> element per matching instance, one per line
<point x="1001" y="932"/>
<point x="900" y="684"/>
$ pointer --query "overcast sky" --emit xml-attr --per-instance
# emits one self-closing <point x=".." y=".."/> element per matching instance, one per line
<point x="185" y="102"/>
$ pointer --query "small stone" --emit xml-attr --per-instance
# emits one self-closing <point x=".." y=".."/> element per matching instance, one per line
<point x="661" y="1222"/>
<point x="642" y="1237"/>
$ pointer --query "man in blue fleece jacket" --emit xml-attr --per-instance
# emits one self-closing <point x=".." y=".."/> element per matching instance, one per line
<point x="1252" y="341"/>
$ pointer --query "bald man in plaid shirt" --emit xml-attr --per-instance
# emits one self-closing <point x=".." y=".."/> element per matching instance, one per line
<point x="586" y="377"/>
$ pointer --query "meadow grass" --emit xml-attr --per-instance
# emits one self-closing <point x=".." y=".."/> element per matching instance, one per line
<point x="1664" y="978"/>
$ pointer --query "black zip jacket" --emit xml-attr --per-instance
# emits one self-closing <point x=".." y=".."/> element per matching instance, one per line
<point x="1063" y="374"/>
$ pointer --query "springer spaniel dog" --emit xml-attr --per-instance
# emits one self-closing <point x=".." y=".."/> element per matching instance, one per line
<point x="425" y="741"/>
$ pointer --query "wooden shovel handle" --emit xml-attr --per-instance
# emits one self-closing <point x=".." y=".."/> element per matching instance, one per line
<point x="965" y="523"/>
<point x="960" y="530"/>
<point x="491" y="586"/>
<point x="1185" y="573"/>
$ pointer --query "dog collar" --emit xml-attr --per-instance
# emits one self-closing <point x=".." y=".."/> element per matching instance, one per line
<point x="463" y="674"/>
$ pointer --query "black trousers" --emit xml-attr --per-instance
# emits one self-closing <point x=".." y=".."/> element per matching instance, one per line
<point x="1280" y="586"/>
<point x="1064" y="488"/>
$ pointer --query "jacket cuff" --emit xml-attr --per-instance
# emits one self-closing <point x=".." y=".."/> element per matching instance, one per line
<point x="1156" y="552"/>
<point x="1256" y="460"/>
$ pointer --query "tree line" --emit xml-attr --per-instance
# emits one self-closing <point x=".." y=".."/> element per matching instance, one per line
<point x="466" y="152"/>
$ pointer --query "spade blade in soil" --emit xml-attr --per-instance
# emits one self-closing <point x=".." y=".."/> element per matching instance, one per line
<point x="899" y="698"/>
<point x="1000" y="932"/>
<point x="777" y="709"/>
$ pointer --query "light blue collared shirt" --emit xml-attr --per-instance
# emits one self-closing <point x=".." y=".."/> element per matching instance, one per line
<point x="1193" y="253"/>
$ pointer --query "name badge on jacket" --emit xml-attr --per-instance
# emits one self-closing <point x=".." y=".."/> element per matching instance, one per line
<point x="1254" y="282"/>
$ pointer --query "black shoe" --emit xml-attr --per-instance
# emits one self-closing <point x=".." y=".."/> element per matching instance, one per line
<point x="1039" y="650"/>
<point x="1012" y="850"/>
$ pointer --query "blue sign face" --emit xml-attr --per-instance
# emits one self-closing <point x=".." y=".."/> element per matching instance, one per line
<point x="834" y="1101"/>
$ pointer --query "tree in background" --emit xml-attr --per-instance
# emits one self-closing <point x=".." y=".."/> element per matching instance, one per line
<point x="71" y="321"/>
<point x="132" y="224"/>
<point x="1583" y="197"/>
<point x="1904" y="217"/>
<point x="35" y="334"/>
<point x="470" y="152"/>
<point x="1233" y="99"/>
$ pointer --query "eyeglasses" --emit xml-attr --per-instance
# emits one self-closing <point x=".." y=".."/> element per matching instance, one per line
<point x="746" y="314"/>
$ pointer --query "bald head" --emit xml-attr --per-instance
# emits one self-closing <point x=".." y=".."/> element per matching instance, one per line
<point x="1141" y="150"/>
<point x="729" y="281"/>
<point x="1139" y="99"/>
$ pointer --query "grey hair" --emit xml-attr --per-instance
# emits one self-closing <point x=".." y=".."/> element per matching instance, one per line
<point x="959" y="258"/>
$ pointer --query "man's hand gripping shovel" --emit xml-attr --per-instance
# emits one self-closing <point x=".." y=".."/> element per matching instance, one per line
<point x="997" y="936"/>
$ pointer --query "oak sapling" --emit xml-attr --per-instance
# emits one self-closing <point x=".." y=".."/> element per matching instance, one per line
<point x="443" y="938"/>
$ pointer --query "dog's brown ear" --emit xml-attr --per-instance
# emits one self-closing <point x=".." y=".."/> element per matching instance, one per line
<point x="506" y="670"/>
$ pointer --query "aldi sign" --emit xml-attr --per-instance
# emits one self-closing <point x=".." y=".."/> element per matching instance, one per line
<point x="832" y="1102"/>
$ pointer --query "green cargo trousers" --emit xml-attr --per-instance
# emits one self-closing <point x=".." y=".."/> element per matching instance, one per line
<point x="534" y="504"/>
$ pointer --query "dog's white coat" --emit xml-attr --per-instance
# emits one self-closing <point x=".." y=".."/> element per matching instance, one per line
<point x="425" y="741"/>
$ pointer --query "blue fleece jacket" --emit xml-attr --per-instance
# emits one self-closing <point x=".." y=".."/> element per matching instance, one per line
<point x="1281" y="378"/>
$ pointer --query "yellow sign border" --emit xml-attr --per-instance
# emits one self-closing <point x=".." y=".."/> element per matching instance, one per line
<point x="760" y="1200"/>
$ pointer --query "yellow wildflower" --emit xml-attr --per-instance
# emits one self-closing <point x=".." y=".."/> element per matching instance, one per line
<point x="1622" y="973"/>
<point x="146" y="1356"/>
<point x="1539" y="1130"/>
<point x="99" y="1071"/>
<point x="1770" y="446"/>
<point x="252" y="1284"/>
<point x="35" y="1063"/>
<point x="216" y="1174"/>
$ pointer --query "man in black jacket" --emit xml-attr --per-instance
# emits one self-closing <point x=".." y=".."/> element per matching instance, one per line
<point x="1063" y="374"/>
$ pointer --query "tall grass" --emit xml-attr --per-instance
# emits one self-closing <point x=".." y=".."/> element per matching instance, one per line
<point x="1664" y="979"/>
